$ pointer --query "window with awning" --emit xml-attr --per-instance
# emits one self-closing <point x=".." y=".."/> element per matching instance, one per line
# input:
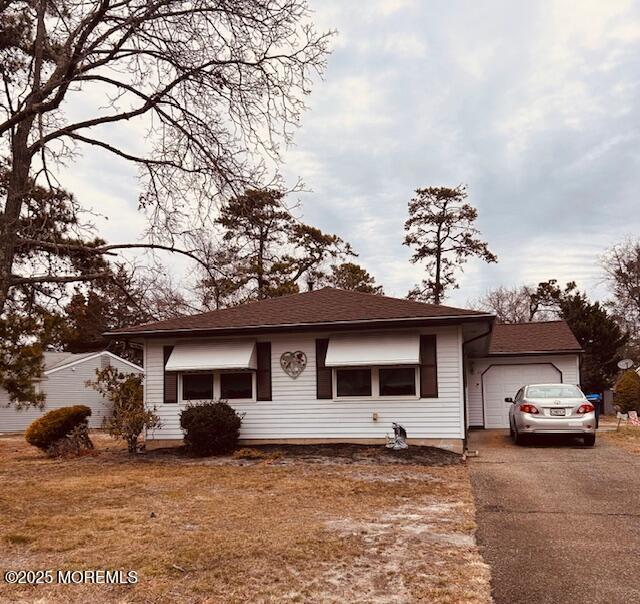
<point x="380" y="365"/>
<point x="207" y="356"/>
<point x="373" y="350"/>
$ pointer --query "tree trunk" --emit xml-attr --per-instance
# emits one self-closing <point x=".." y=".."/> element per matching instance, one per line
<point x="17" y="190"/>
<point x="437" y="290"/>
<point x="21" y="156"/>
<point x="260" y="268"/>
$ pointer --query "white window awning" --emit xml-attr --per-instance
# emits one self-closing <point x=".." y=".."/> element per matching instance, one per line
<point x="198" y="356"/>
<point x="370" y="349"/>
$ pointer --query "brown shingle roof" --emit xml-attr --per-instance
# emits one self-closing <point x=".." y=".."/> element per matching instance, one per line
<point x="322" y="306"/>
<point x="547" y="336"/>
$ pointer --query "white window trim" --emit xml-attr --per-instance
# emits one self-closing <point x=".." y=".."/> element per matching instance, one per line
<point x="217" y="388"/>
<point x="375" y="385"/>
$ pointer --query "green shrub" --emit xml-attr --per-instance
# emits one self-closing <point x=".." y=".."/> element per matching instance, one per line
<point x="210" y="428"/>
<point x="55" y="425"/>
<point x="627" y="391"/>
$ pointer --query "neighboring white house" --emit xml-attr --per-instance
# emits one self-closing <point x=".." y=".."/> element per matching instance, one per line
<point x="327" y="366"/>
<point x="64" y="383"/>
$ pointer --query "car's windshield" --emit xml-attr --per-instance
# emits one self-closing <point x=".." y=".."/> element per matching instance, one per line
<point x="554" y="391"/>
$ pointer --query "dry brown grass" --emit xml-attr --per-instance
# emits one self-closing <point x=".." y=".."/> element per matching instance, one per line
<point x="626" y="436"/>
<point x="239" y="531"/>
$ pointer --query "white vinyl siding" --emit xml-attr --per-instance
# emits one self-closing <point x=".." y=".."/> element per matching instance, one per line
<point x="63" y="388"/>
<point x="296" y="413"/>
<point x="568" y="364"/>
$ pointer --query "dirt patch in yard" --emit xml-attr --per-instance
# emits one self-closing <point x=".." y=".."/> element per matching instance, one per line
<point x="336" y="524"/>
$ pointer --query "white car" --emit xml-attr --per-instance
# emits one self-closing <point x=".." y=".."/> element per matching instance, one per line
<point x="551" y="409"/>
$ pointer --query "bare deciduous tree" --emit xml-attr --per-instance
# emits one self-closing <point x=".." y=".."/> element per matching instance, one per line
<point x="209" y="83"/>
<point x="510" y="304"/>
<point x="622" y="269"/>
<point x="522" y="304"/>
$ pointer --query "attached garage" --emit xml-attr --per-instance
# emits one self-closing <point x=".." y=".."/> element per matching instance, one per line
<point x="519" y="354"/>
<point x="501" y="381"/>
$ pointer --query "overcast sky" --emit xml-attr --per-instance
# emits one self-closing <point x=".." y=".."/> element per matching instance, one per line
<point x="534" y="105"/>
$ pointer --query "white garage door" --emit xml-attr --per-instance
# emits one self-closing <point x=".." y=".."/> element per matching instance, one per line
<point x="501" y="381"/>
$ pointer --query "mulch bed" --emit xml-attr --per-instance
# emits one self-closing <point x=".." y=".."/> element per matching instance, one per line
<point x="339" y="453"/>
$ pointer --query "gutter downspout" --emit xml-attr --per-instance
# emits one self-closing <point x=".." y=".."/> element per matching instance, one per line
<point x="464" y="384"/>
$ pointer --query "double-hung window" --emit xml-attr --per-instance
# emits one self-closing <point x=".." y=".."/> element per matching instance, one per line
<point x="397" y="381"/>
<point x="236" y="385"/>
<point x="376" y="382"/>
<point x="225" y="385"/>
<point x="197" y="386"/>
<point x="353" y="382"/>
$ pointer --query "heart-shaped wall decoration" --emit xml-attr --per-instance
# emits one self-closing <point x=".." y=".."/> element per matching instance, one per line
<point x="293" y="363"/>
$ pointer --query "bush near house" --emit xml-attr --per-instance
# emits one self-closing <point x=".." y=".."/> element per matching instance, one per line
<point x="66" y="423"/>
<point x="210" y="428"/>
<point x="129" y="417"/>
<point x="627" y="391"/>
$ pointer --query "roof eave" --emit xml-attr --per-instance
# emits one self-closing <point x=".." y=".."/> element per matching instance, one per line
<point x="89" y="357"/>
<point x="536" y="352"/>
<point x="292" y="327"/>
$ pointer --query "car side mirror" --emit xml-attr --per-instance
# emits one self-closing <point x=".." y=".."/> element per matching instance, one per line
<point x="508" y="400"/>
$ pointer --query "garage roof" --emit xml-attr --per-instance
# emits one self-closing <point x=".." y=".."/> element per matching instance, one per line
<point x="537" y="337"/>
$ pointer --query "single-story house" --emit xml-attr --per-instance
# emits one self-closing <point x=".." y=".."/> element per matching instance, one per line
<point x="64" y="383"/>
<point x="340" y="366"/>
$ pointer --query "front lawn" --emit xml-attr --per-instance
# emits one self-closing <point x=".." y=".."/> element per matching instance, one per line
<point x="626" y="436"/>
<point x="291" y="525"/>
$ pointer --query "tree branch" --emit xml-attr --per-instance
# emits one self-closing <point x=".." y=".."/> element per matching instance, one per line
<point x="60" y="248"/>
<point x="16" y="280"/>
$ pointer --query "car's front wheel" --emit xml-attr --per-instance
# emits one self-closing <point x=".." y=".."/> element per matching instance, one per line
<point x="589" y="440"/>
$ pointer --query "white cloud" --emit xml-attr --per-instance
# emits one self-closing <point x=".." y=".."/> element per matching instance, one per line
<point x="534" y="105"/>
<point x="405" y="46"/>
<point x="386" y="8"/>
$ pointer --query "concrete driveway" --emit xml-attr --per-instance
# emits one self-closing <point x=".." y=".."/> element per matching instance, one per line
<point x="557" y="522"/>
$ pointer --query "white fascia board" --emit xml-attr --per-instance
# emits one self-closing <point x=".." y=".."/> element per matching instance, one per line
<point x="133" y="366"/>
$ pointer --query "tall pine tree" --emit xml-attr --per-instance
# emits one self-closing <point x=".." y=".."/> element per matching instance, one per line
<point x="441" y="232"/>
